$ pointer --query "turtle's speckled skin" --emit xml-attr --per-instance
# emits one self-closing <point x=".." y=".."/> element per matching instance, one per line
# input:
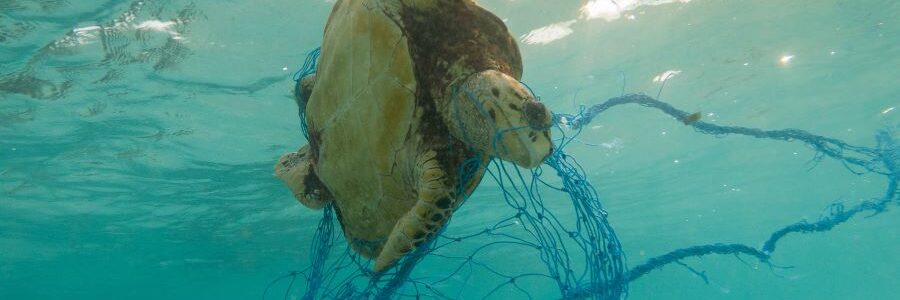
<point x="406" y="91"/>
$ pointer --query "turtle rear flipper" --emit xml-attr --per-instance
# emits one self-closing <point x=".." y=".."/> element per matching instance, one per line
<point x="295" y="169"/>
<point x="303" y="89"/>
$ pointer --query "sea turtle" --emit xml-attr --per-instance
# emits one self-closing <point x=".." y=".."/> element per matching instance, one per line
<point x="411" y="100"/>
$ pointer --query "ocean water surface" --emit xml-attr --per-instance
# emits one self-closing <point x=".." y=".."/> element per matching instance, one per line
<point x="137" y="140"/>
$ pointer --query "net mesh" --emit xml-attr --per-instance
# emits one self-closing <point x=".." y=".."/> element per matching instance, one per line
<point x="579" y="253"/>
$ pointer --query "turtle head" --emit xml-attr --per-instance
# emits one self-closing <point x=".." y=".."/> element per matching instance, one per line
<point x="495" y="113"/>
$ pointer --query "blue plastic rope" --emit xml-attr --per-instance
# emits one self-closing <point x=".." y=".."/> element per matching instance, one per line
<point x="308" y="68"/>
<point x="581" y="254"/>
<point x="881" y="160"/>
<point x="309" y="65"/>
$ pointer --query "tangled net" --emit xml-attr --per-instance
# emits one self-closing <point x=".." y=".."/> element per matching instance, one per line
<point x="579" y="253"/>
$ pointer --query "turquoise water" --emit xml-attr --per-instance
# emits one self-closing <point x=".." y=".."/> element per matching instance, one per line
<point x="137" y="141"/>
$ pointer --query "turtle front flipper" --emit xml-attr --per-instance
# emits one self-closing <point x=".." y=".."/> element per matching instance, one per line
<point x="295" y="169"/>
<point x="426" y="218"/>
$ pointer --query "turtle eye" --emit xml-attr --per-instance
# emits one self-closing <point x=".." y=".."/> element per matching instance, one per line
<point x="536" y="115"/>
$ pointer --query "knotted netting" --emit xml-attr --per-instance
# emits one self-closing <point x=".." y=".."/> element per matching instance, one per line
<point x="544" y="247"/>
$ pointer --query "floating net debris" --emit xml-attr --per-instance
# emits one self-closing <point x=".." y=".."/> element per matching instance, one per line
<point x="308" y="68"/>
<point x="544" y="247"/>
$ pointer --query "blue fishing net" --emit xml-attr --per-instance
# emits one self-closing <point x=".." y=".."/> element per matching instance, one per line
<point x="558" y="251"/>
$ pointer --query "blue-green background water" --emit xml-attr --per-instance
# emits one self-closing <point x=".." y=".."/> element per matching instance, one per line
<point x="137" y="140"/>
